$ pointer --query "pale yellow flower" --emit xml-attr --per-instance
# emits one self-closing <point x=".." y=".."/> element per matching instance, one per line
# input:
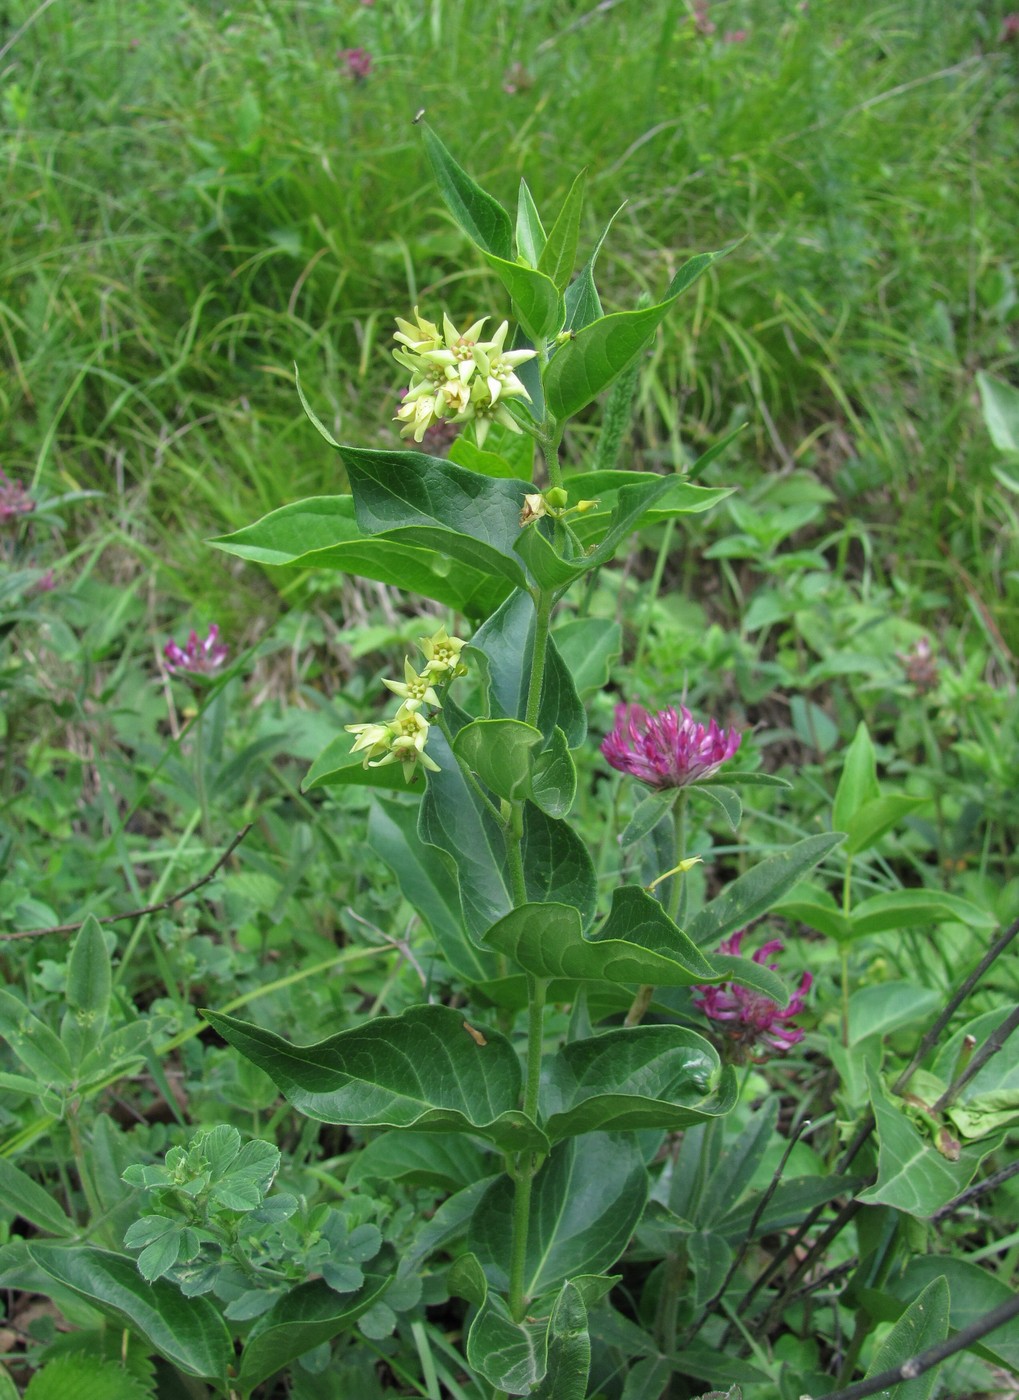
<point x="372" y="740"/>
<point x="442" y="653"/>
<point x="409" y="731"/>
<point x="414" y="690"/>
<point x="498" y="365"/>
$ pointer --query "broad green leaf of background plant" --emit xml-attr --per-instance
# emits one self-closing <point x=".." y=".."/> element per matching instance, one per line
<point x="506" y="639"/>
<point x="547" y="940"/>
<point x="569" y="1348"/>
<point x="913" y="1176"/>
<point x="83" y="1377"/>
<point x="475" y="459"/>
<point x="20" y="1195"/>
<point x="436" y="504"/>
<point x="302" y="1319"/>
<point x="500" y="752"/>
<point x="322" y="533"/>
<point x="706" y="1196"/>
<point x="922" y="1325"/>
<point x="585" y="1203"/>
<point x="337" y="766"/>
<point x="478" y="213"/>
<point x="422" y="1069"/>
<point x="633" y="1078"/>
<point x="454" y="818"/>
<point x="888" y="1006"/>
<point x="89" y="984"/>
<point x="537" y="303"/>
<point x="554" y="777"/>
<point x="187" y="1331"/>
<point x="543" y="1357"/>
<point x="36" y="1046"/>
<point x="588" y="646"/>
<point x="912" y="908"/>
<point x="442" y="1160"/>
<point x="975" y="1291"/>
<point x="758" y="889"/>
<point x="874" y="819"/>
<point x="530" y="230"/>
<point x="816" y="907"/>
<point x="560" y="252"/>
<point x="601" y="350"/>
<point x="990" y="1100"/>
<point x="858" y="784"/>
<point x="681" y="498"/>
<point x="1000" y="404"/>
<point x="427" y="878"/>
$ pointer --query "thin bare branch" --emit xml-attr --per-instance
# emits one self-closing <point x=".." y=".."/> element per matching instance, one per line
<point x="148" y="909"/>
<point x="932" y="1356"/>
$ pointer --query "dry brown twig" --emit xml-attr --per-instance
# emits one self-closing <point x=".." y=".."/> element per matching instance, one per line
<point x="148" y="908"/>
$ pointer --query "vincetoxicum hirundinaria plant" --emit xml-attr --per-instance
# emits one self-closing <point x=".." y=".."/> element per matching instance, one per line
<point x="483" y="739"/>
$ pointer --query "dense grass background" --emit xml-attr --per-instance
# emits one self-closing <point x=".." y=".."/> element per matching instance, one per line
<point x="200" y="195"/>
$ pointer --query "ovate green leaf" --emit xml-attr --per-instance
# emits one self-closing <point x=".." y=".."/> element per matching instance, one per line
<point x="422" y="1069"/>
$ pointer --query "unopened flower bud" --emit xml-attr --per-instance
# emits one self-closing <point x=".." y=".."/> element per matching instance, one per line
<point x="556" y="498"/>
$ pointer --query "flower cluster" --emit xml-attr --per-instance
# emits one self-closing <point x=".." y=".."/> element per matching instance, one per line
<point x="750" y="1018"/>
<point x="358" y="63"/>
<point x="920" y="666"/>
<point x="402" y="739"/>
<point x="456" y="376"/>
<point x="201" y="657"/>
<point x="14" y="499"/>
<point x="666" y="749"/>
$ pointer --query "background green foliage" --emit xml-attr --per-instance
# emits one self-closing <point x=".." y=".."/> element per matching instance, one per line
<point x="197" y="197"/>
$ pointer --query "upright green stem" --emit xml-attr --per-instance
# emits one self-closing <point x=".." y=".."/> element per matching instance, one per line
<point x="543" y="610"/>
<point x="536" y="989"/>
<point x="844" y="949"/>
<point x="550" y="443"/>
<point x="514" y="853"/>
<point x="527" y="1163"/>
<point x="203" y="797"/>
<point x="675" y="906"/>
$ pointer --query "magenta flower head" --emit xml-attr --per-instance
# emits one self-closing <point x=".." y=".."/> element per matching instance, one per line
<point x="198" y="658"/>
<point x="14" y="499"/>
<point x="358" y="61"/>
<point x="666" y="749"/>
<point x="748" y="1017"/>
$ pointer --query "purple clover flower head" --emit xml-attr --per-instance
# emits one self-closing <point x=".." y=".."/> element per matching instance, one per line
<point x="199" y="657"/>
<point x="749" y="1018"/>
<point x="358" y="62"/>
<point x="14" y="499"/>
<point x="666" y="749"/>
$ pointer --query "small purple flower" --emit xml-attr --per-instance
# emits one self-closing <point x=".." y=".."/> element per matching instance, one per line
<point x="666" y="749"/>
<point x="748" y="1017"/>
<point x="735" y="36"/>
<point x="14" y="499"/>
<point x="358" y="61"/>
<point x="920" y="666"/>
<point x="198" y="658"/>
